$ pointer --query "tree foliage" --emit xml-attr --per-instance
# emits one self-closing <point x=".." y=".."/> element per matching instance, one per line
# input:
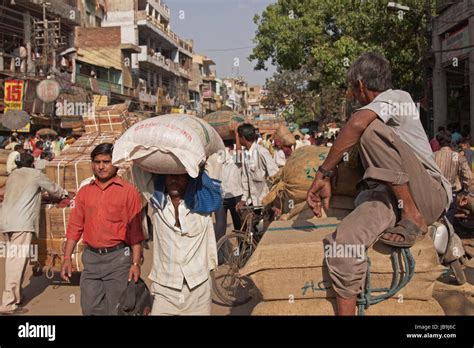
<point x="323" y="37"/>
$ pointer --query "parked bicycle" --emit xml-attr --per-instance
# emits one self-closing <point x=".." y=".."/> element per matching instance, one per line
<point x="233" y="251"/>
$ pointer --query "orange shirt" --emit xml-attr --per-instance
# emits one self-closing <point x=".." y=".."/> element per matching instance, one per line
<point x="104" y="218"/>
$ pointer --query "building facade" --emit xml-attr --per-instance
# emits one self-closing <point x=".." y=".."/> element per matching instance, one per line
<point x="163" y="67"/>
<point x="453" y="75"/>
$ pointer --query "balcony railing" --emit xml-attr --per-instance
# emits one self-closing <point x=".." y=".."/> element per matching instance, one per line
<point x="162" y="8"/>
<point x="104" y="86"/>
<point x="158" y="60"/>
<point x="185" y="73"/>
<point x="143" y="15"/>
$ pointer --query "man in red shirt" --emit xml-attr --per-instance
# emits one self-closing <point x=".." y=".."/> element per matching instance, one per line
<point x="38" y="150"/>
<point x="107" y="215"/>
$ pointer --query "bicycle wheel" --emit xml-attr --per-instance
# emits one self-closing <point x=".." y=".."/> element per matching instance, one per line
<point x="233" y="251"/>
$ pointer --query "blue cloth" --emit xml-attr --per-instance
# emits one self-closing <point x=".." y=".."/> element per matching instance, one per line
<point x="456" y="138"/>
<point x="203" y="195"/>
<point x="468" y="153"/>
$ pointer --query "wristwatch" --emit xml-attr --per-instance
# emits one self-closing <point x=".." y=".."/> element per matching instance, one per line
<point x="326" y="173"/>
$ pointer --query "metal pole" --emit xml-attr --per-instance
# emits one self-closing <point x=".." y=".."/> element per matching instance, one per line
<point x="46" y="38"/>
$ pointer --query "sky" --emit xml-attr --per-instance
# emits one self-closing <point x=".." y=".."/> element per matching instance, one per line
<point x="218" y="27"/>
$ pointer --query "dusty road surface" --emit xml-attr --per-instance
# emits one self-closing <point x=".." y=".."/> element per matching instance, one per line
<point x="50" y="297"/>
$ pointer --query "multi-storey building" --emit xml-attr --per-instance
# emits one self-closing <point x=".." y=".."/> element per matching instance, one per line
<point x="163" y="67"/>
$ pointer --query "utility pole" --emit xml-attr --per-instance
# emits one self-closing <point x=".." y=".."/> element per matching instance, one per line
<point x="47" y="37"/>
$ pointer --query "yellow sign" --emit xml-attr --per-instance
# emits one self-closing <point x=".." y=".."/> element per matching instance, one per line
<point x="13" y="94"/>
<point x="13" y="99"/>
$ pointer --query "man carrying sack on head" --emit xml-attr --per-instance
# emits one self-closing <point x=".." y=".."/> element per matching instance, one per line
<point x="184" y="240"/>
<point x="107" y="214"/>
<point x="405" y="190"/>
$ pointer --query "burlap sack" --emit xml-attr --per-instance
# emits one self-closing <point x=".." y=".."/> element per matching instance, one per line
<point x="328" y="307"/>
<point x="348" y="174"/>
<point x="291" y="255"/>
<point x="268" y="126"/>
<point x="285" y="136"/>
<point x="296" y="177"/>
<point x="224" y="122"/>
<point x="339" y="208"/>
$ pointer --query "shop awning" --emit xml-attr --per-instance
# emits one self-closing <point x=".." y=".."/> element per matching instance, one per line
<point x="99" y="56"/>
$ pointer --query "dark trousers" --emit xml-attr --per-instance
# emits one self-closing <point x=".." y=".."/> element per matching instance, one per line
<point x="221" y="216"/>
<point x="104" y="279"/>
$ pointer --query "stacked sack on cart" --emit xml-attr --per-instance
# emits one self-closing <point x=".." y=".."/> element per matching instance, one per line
<point x="288" y="267"/>
<point x="290" y="274"/>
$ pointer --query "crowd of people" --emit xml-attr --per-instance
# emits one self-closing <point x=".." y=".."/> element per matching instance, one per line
<point x="280" y="152"/>
<point x="42" y="148"/>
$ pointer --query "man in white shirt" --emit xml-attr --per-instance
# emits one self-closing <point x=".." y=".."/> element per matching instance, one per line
<point x="231" y="190"/>
<point x="12" y="143"/>
<point x="280" y="157"/>
<point x="258" y="166"/>
<point x="184" y="245"/>
<point x="11" y="165"/>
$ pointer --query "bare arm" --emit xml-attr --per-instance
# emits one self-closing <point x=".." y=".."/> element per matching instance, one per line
<point x="53" y="189"/>
<point x="319" y="193"/>
<point x="348" y="137"/>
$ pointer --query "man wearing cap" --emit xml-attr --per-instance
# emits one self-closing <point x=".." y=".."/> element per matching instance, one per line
<point x="107" y="216"/>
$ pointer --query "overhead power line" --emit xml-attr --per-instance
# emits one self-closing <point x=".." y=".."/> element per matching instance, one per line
<point x="230" y="49"/>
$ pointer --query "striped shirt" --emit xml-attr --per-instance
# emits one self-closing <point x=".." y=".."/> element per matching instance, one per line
<point x="186" y="253"/>
<point x="454" y="168"/>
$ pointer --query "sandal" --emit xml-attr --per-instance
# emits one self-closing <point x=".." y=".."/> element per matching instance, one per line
<point x="410" y="232"/>
<point x="16" y="311"/>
